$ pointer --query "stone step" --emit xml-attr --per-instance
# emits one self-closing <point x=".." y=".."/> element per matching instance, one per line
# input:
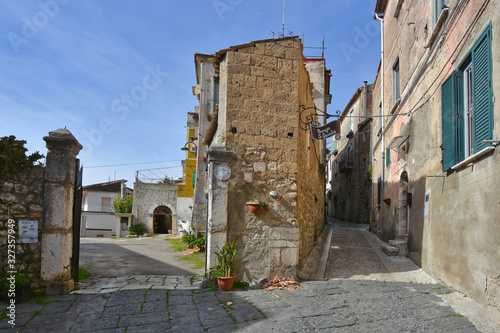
<point x="389" y="250"/>
<point x="402" y="246"/>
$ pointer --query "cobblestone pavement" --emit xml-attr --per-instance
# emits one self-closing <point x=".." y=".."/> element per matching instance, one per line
<point x="320" y="306"/>
<point x="393" y="296"/>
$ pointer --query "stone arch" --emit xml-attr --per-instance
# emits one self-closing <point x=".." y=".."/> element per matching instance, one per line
<point x="162" y="220"/>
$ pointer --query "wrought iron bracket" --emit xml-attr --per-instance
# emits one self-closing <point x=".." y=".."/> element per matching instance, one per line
<point x="311" y="119"/>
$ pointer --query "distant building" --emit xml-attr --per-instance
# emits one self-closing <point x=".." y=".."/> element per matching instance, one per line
<point x="349" y="183"/>
<point x="97" y="205"/>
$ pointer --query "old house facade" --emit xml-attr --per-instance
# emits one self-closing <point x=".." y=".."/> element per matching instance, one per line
<point x="436" y="157"/>
<point x="254" y="146"/>
<point x="349" y="166"/>
<point x="97" y="204"/>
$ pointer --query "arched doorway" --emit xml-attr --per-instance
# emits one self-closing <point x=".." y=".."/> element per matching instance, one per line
<point x="162" y="220"/>
<point x="402" y="231"/>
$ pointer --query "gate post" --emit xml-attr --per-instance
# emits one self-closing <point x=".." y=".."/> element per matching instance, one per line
<point x="57" y="238"/>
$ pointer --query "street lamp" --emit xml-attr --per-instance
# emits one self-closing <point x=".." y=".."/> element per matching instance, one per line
<point x="186" y="148"/>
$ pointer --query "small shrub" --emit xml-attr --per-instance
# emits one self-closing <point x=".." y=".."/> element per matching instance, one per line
<point x="242" y="284"/>
<point x="188" y="240"/>
<point x="200" y="243"/>
<point x="138" y="229"/>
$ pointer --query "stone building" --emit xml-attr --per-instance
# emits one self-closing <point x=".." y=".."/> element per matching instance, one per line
<point x="436" y="159"/>
<point x="349" y="184"/>
<point x="155" y="206"/>
<point x="254" y="146"/>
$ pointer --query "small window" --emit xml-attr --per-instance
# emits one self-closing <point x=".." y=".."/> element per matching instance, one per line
<point x="105" y="204"/>
<point x="380" y="113"/>
<point x="387" y="157"/>
<point x="351" y="121"/>
<point x="438" y="6"/>
<point x="215" y="95"/>
<point x="396" y="90"/>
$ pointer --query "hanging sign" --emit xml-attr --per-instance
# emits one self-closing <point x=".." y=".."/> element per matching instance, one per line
<point x="324" y="132"/>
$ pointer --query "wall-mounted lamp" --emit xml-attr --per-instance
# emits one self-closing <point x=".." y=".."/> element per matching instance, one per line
<point x="186" y="148"/>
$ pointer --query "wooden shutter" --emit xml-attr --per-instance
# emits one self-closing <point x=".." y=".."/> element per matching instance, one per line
<point x="387" y="157"/>
<point x="379" y="190"/>
<point x="447" y="122"/>
<point x="482" y="101"/>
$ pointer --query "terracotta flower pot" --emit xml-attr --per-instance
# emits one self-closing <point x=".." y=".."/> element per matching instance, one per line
<point x="225" y="283"/>
<point x="255" y="208"/>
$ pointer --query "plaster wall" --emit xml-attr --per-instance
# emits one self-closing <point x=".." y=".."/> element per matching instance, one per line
<point x="206" y="73"/>
<point x="454" y="241"/>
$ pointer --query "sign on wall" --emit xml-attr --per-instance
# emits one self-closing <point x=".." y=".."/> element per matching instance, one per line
<point x="324" y="132"/>
<point x="28" y="231"/>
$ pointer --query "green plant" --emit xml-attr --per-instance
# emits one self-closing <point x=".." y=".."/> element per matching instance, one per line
<point x="138" y="229"/>
<point x="242" y="284"/>
<point x="197" y="259"/>
<point x="122" y="205"/>
<point x="13" y="155"/>
<point x="225" y="259"/>
<point x="177" y="244"/>
<point x="188" y="240"/>
<point x="200" y="243"/>
<point x="83" y="274"/>
<point x="19" y="280"/>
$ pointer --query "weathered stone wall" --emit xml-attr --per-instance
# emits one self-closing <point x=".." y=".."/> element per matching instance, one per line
<point x="258" y="121"/>
<point x="149" y="196"/>
<point x="21" y="199"/>
<point x="310" y="177"/>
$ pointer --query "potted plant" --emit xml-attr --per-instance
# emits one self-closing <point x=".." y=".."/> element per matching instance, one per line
<point x="224" y="269"/>
<point x="257" y="207"/>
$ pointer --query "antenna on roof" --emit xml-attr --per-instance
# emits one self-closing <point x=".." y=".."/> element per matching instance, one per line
<point x="283" y="33"/>
<point x="273" y="34"/>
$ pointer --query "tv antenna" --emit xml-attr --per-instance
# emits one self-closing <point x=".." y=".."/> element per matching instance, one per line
<point x="274" y="34"/>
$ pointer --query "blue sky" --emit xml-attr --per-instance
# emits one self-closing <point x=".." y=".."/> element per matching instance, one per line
<point x="118" y="74"/>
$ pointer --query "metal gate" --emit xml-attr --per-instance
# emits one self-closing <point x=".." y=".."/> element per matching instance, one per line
<point x="77" y="219"/>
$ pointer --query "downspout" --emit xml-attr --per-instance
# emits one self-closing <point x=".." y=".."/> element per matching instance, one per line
<point x="377" y="17"/>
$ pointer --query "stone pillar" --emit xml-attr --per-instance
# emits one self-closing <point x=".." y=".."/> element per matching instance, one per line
<point x="217" y="205"/>
<point x="57" y="238"/>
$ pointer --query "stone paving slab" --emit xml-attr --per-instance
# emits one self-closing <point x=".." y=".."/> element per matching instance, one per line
<point x="415" y="308"/>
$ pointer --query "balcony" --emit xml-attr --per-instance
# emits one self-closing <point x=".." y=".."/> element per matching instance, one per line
<point x="345" y="165"/>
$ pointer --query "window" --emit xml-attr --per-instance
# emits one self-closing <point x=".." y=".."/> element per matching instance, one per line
<point x="437" y="7"/>
<point x="351" y="121"/>
<point x="380" y="114"/>
<point x="105" y="204"/>
<point x="215" y="96"/>
<point x="387" y="157"/>
<point x="466" y="105"/>
<point x="396" y="94"/>
<point x="335" y="146"/>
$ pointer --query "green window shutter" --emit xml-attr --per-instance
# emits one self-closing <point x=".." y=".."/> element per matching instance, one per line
<point x="447" y="122"/>
<point x="379" y="190"/>
<point x="482" y="100"/>
<point x="387" y="157"/>
<point x="193" y="178"/>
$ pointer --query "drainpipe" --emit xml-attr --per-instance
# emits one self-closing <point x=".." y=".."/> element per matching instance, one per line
<point x="382" y="92"/>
